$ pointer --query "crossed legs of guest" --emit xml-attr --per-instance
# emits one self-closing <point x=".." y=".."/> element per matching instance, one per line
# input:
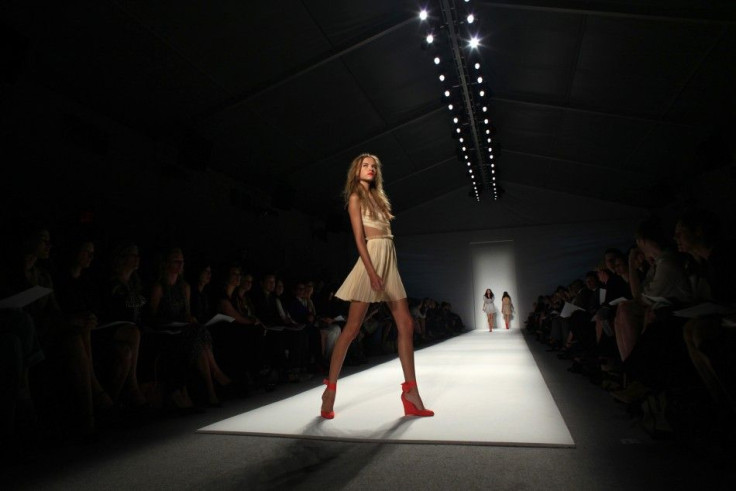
<point x="210" y="372"/>
<point x="100" y="397"/>
<point x="695" y="332"/>
<point x="404" y="324"/>
<point x="124" y="377"/>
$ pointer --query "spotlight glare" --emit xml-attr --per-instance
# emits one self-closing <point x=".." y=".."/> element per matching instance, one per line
<point x="485" y="109"/>
<point x="430" y="39"/>
<point x="455" y="120"/>
<point x="447" y="93"/>
<point x="442" y="77"/>
<point x="477" y="66"/>
<point x="474" y="42"/>
<point x="480" y="79"/>
<point x="423" y="15"/>
<point x="449" y="106"/>
<point x="458" y="130"/>
<point x="471" y="18"/>
<point x="485" y="121"/>
<point x="461" y="140"/>
<point x="482" y="93"/>
<point x="436" y="60"/>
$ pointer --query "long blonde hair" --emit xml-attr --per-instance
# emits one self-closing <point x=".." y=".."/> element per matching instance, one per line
<point x="380" y="203"/>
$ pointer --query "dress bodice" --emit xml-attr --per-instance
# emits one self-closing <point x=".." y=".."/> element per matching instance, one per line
<point x="377" y="222"/>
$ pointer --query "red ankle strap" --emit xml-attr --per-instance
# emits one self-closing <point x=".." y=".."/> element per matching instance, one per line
<point x="406" y="386"/>
<point x="329" y="385"/>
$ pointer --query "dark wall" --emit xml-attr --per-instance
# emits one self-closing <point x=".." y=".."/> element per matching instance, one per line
<point x="71" y="168"/>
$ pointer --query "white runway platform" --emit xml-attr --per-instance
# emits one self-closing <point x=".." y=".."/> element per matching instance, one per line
<point x="485" y="389"/>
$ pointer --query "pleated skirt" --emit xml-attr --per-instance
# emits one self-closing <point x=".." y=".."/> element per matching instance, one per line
<point x="357" y="285"/>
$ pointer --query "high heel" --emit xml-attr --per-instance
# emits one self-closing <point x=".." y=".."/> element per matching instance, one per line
<point x="330" y="386"/>
<point x="409" y="407"/>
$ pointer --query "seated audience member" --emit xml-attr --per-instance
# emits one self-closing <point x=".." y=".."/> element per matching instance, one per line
<point x="651" y="353"/>
<point x="324" y="315"/>
<point x="185" y="342"/>
<point x="282" y="304"/>
<point x="336" y="314"/>
<point x="67" y="362"/>
<point x="20" y="351"/>
<point x="666" y="279"/>
<point x="201" y="305"/>
<point x="453" y="321"/>
<point x="242" y="341"/>
<point x="300" y="311"/>
<point x="582" y="329"/>
<point x="418" y="313"/>
<point x="115" y="347"/>
<point x="709" y="343"/>
<point x="278" y="341"/>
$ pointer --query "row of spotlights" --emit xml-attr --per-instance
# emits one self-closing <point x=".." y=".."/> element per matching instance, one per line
<point x="473" y="43"/>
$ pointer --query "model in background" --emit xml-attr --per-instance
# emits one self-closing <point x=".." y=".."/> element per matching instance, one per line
<point x="507" y="308"/>
<point x="489" y="308"/>
<point x="375" y="278"/>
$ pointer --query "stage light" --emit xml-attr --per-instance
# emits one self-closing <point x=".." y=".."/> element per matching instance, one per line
<point x="482" y="93"/>
<point x="447" y="93"/>
<point x="430" y="39"/>
<point x="450" y="107"/>
<point x="485" y="109"/>
<point x="461" y="140"/>
<point x="485" y="121"/>
<point x="423" y="15"/>
<point x="442" y="77"/>
<point x="477" y="66"/>
<point x="480" y="80"/>
<point x="455" y="120"/>
<point x="474" y="42"/>
<point x="436" y="60"/>
<point x="471" y="18"/>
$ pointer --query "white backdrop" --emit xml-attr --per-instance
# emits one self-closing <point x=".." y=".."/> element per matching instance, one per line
<point x="494" y="267"/>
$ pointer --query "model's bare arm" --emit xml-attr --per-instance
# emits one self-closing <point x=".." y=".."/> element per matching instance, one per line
<point x="357" y="223"/>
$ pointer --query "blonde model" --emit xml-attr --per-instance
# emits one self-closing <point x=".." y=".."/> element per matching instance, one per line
<point x="507" y="308"/>
<point x="375" y="278"/>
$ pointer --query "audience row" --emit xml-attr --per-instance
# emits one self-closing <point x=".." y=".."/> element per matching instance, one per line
<point x="655" y="326"/>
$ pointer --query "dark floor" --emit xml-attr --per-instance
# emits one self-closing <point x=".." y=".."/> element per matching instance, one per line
<point x="612" y="452"/>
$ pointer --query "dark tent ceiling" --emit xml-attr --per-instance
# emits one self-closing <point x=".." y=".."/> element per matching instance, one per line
<point x="617" y="100"/>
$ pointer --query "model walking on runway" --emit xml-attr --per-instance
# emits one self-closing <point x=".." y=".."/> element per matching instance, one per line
<point x="507" y="308"/>
<point x="375" y="278"/>
<point x="489" y="308"/>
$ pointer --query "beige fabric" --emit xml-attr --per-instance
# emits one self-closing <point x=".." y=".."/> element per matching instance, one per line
<point x="357" y="286"/>
<point x="379" y="223"/>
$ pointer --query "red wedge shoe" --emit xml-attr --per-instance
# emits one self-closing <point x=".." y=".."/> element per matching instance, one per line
<point x="330" y="386"/>
<point x="409" y="407"/>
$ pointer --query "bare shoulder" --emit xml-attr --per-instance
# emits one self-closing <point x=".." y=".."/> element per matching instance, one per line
<point x="354" y="201"/>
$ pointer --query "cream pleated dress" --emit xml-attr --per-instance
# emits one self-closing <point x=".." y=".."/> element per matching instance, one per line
<point x="357" y="286"/>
